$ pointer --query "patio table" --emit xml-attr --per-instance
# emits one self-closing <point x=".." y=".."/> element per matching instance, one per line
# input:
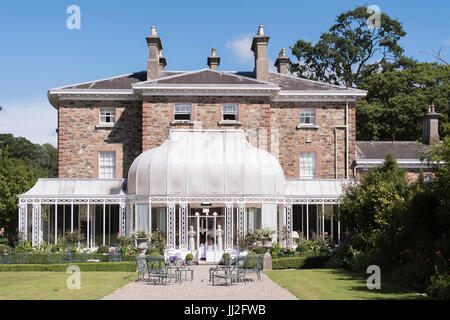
<point x="186" y="271"/>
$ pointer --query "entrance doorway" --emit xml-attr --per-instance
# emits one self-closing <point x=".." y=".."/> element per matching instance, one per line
<point x="206" y="233"/>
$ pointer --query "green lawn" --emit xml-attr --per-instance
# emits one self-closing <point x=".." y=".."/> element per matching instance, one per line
<point x="333" y="284"/>
<point x="52" y="285"/>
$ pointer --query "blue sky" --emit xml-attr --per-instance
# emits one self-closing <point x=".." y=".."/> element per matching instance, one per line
<point x="38" y="51"/>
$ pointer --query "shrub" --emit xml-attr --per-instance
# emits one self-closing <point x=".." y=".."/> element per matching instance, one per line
<point x="3" y="240"/>
<point x="152" y="251"/>
<point x="128" y="266"/>
<point x="300" y="262"/>
<point x="103" y="249"/>
<point x="440" y="287"/>
<point x="414" y="274"/>
<point x="259" y="250"/>
<point x="189" y="256"/>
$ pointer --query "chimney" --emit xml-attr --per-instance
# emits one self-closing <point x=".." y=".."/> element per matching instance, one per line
<point x="259" y="48"/>
<point x="213" y="61"/>
<point x="162" y="62"/>
<point x="430" y="125"/>
<point x="282" y="62"/>
<point x="153" y="63"/>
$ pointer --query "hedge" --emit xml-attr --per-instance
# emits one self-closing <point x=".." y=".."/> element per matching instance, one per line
<point x="127" y="266"/>
<point x="300" y="262"/>
<point x="42" y="258"/>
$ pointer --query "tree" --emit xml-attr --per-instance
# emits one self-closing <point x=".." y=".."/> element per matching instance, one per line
<point x="396" y="101"/>
<point x="350" y="50"/>
<point x="16" y="177"/>
<point x="372" y="207"/>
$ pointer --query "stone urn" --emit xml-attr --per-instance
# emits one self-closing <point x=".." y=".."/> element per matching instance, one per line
<point x="267" y="243"/>
<point x="142" y="245"/>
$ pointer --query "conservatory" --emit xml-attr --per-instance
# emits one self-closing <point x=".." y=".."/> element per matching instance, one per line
<point x="204" y="189"/>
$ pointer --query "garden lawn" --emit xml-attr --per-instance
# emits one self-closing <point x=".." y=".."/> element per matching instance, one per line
<point x="334" y="284"/>
<point x="52" y="285"/>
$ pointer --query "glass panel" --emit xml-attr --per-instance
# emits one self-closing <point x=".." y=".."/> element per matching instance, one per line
<point x="44" y="223"/>
<point x="142" y="222"/>
<point x="182" y="112"/>
<point x="308" y="117"/>
<point x="159" y="219"/>
<point x="98" y="225"/>
<point x="83" y="222"/>
<point x="29" y="226"/>
<point x="107" y="116"/>
<point x="107" y="164"/>
<point x="307" y="165"/>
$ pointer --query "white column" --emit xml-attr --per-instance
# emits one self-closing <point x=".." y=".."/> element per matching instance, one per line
<point x="64" y="221"/>
<point x="71" y="216"/>
<point x="332" y="226"/>
<point x="228" y="226"/>
<point x="88" y="225"/>
<point x="36" y="216"/>
<point x="288" y="210"/>
<point x="303" y="230"/>
<point x="22" y="214"/>
<point x="171" y="226"/>
<point x="135" y="218"/>
<point x="104" y="222"/>
<point x="323" y="220"/>
<point x="198" y="235"/>
<point x="122" y="218"/>
<point x="339" y="229"/>
<point x="241" y="221"/>
<point x="149" y="216"/>
<point x="307" y="221"/>
<point x="183" y="226"/>
<point x="56" y="222"/>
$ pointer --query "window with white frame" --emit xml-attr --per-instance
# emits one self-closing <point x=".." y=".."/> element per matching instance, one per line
<point x="182" y="112"/>
<point x="307" y="117"/>
<point x="107" y="164"/>
<point x="230" y="112"/>
<point x="307" y="165"/>
<point x="107" y="116"/>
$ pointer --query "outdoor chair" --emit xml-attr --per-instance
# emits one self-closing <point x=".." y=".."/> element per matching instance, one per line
<point x="115" y="257"/>
<point x="219" y="266"/>
<point x="230" y="273"/>
<point x="157" y="268"/>
<point x="250" y="264"/>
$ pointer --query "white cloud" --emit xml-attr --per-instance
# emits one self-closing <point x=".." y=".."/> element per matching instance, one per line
<point x="34" y="119"/>
<point x="241" y="47"/>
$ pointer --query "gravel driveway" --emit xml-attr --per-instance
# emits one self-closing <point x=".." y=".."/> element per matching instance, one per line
<point x="201" y="289"/>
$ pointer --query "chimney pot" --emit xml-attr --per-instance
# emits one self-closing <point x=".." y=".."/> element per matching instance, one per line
<point x="430" y="126"/>
<point x="213" y="61"/>
<point x="154" y="63"/>
<point x="259" y="48"/>
<point x="282" y="62"/>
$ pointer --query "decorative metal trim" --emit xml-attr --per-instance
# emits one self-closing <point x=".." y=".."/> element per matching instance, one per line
<point x="228" y="226"/>
<point x="241" y="221"/>
<point x="183" y="226"/>
<point x="122" y="221"/>
<point x="36" y="217"/>
<point x="171" y="226"/>
<point x="289" y="224"/>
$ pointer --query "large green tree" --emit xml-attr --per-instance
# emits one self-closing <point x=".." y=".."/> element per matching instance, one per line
<point x="16" y="177"/>
<point x="397" y="100"/>
<point x="351" y="50"/>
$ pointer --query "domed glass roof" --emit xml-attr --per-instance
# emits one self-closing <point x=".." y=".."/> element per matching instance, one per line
<point x="205" y="162"/>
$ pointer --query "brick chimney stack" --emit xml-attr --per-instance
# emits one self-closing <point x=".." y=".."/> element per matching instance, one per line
<point x="162" y="62"/>
<point x="282" y="62"/>
<point x="259" y="48"/>
<point x="430" y="125"/>
<point x="155" y="48"/>
<point x="213" y="61"/>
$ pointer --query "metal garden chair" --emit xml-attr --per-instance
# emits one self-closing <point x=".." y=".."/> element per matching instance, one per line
<point x="251" y="264"/>
<point x="141" y="262"/>
<point x="115" y="257"/>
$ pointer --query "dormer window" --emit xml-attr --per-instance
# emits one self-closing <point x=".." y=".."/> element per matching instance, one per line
<point x="230" y="112"/>
<point x="182" y="112"/>
<point x="107" y="117"/>
<point x="307" y="117"/>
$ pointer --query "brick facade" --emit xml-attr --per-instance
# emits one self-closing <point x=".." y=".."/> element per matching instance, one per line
<point x="144" y="125"/>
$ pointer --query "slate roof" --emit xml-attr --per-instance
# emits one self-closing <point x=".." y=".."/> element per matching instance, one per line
<point x="379" y="149"/>
<point x="205" y="76"/>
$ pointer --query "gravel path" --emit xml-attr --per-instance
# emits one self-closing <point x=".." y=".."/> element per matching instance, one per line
<point x="201" y="289"/>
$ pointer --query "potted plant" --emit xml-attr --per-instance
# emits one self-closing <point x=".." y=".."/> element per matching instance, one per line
<point x="226" y="259"/>
<point x="266" y="235"/>
<point x="142" y="237"/>
<point x="189" y="258"/>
